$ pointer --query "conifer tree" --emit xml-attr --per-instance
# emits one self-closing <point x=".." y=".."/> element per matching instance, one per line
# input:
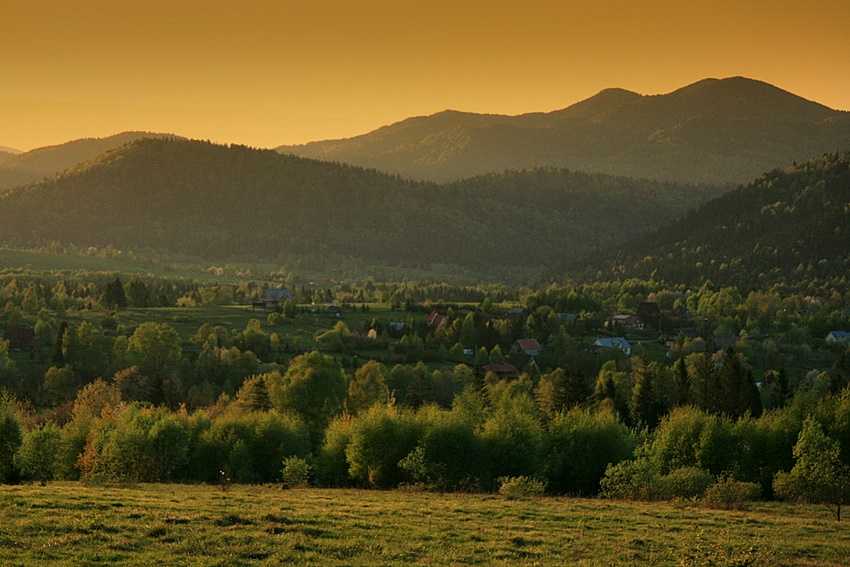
<point x="681" y="383"/>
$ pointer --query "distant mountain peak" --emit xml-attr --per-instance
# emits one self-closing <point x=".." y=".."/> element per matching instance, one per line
<point x="603" y="101"/>
<point x="749" y="97"/>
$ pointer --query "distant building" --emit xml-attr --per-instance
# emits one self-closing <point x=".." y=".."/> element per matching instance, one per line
<point x="435" y="319"/>
<point x="504" y="371"/>
<point x="627" y="321"/>
<point x="529" y="347"/>
<point x="277" y="295"/>
<point x="334" y="311"/>
<point x="517" y="312"/>
<point x="616" y="342"/>
<point x="838" y="337"/>
<point x="20" y="338"/>
<point x="685" y="333"/>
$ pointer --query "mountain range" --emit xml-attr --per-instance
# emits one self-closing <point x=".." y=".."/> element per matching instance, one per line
<point x="232" y="203"/>
<point x="714" y="131"/>
<point x="19" y="168"/>
<point x="523" y="214"/>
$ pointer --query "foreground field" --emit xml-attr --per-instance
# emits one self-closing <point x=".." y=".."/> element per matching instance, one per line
<point x="72" y="524"/>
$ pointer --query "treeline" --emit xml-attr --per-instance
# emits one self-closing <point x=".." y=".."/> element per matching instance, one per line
<point x="309" y="425"/>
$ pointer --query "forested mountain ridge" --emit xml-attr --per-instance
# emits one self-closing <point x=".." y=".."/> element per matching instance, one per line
<point x="789" y="227"/>
<point x="20" y="168"/>
<point x="714" y="131"/>
<point x="235" y="203"/>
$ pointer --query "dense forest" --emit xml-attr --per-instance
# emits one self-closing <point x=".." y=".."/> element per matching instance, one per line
<point x="239" y="204"/>
<point x="790" y="229"/>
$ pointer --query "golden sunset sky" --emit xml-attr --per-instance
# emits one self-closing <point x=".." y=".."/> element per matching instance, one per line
<point x="265" y="73"/>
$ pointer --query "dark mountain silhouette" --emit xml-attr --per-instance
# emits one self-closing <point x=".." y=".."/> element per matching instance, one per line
<point x="35" y="165"/>
<point x="788" y="228"/>
<point x="714" y="131"/>
<point x="239" y="204"/>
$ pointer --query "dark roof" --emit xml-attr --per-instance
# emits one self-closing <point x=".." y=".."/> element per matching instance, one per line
<point x="277" y="295"/>
<point x="19" y="337"/>
<point x="504" y="369"/>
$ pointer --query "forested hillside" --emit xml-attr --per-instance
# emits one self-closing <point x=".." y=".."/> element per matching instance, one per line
<point x="20" y="168"/>
<point x="789" y="227"/>
<point x="236" y="203"/>
<point x="714" y="131"/>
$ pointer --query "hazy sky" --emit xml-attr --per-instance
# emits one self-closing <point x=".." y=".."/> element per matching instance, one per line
<point x="272" y="72"/>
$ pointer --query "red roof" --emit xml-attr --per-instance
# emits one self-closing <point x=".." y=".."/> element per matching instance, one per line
<point x="435" y="319"/>
<point x="529" y="344"/>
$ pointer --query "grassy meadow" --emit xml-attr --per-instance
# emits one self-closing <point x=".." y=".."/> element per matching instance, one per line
<point x="79" y="525"/>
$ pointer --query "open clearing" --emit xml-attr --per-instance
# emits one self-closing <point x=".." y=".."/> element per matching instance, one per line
<point x="74" y="524"/>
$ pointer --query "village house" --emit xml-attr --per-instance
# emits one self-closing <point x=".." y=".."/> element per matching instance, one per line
<point x="504" y="370"/>
<point x="277" y="295"/>
<point x="517" y="312"/>
<point x="435" y="319"/>
<point x="627" y="322"/>
<point x="681" y="333"/>
<point x="838" y="337"/>
<point x="528" y="347"/>
<point x="333" y="311"/>
<point x="615" y="342"/>
<point x="20" y="338"/>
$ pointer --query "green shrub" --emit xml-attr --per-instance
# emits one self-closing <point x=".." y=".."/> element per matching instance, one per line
<point x="730" y="494"/>
<point x="637" y="479"/>
<point x="521" y="486"/>
<point x="686" y="483"/>
<point x="296" y="472"/>
<point x="38" y="455"/>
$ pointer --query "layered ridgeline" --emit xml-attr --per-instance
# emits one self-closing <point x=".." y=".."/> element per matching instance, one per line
<point x="788" y="227"/>
<point x="19" y="168"/>
<point x="714" y="131"/>
<point x="240" y="204"/>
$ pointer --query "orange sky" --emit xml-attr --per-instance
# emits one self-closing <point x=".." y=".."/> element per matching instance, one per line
<point x="270" y="72"/>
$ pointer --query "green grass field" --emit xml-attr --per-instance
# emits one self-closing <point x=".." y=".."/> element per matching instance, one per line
<point x="73" y="524"/>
